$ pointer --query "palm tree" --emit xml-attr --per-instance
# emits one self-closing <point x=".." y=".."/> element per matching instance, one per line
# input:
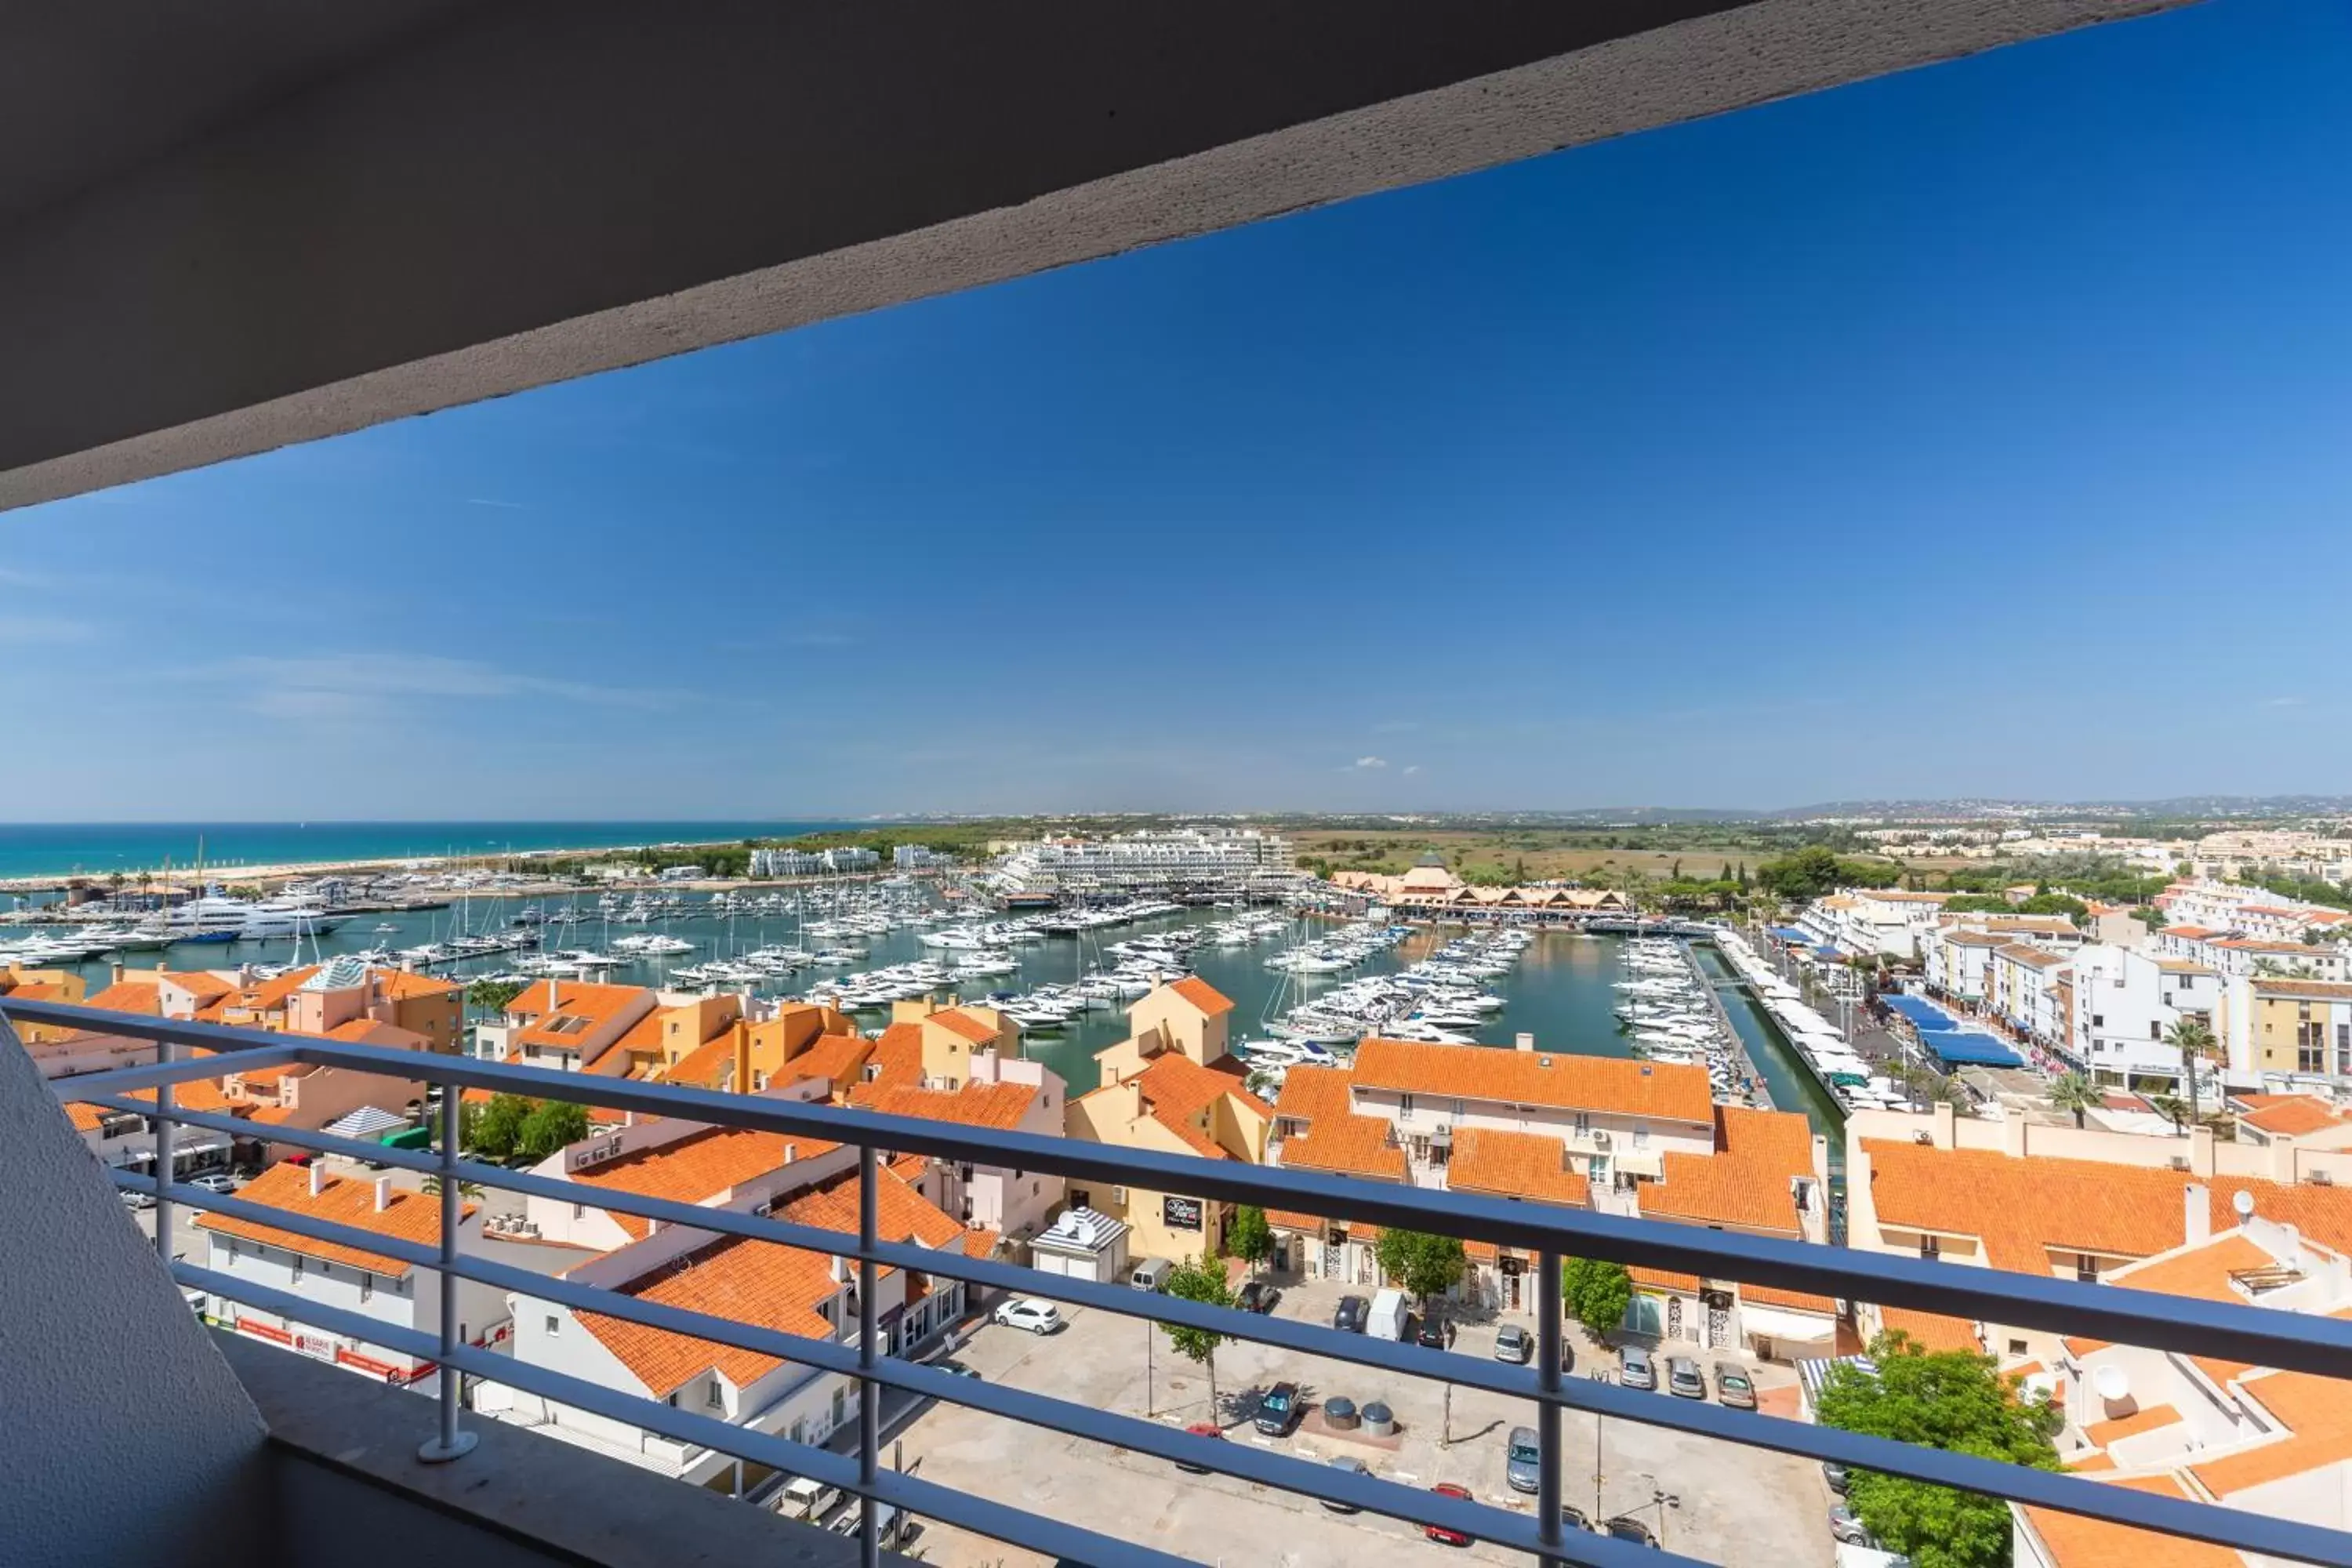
<point x="431" y="1187"/>
<point x="2194" y="1041"/>
<point x="1918" y="1085"/>
<point x="2074" y="1092"/>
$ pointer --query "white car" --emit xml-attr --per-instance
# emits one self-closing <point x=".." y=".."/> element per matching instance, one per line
<point x="216" y="1183"/>
<point x="1037" y="1316"/>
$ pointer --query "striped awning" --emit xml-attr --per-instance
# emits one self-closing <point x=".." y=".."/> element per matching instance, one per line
<point x="367" y="1122"/>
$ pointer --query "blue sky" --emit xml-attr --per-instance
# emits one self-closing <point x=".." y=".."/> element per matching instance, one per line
<point x="1986" y="429"/>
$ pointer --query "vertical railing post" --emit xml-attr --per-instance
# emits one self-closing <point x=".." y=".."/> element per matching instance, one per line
<point x="164" y="1158"/>
<point x="451" y="1444"/>
<point x="869" y="1393"/>
<point x="1547" y="1473"/>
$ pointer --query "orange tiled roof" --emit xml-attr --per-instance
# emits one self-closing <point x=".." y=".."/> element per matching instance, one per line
<point x="978" y="1031"/>
<point x="898" y="1056"/>
<point x="2022" y="1209"/>
<point x="581" y="999"/>
<point x="709" y="1066"/>
<point x="696" y="1169"/>
<point x="1563" y="1080"/>
<point x="2089" y="1462"/>
<point x="2288" y="1115"/>
<point x="130" y="997"/>
<point x="1662" y="1279"/>
<point x="2077" y="1543"/>
<point x="2318" y="1419"/>
<point x="265" y="996"/>
<point x="762" y="1283"/>
<point x="999" y="1106"/>
<point x="409" y="1215"/>
<point x="406" y="985"/>
<point x="2147" y="1418"/>
<point x="372" y="1032"/>
<point x="1175" y="1089"/>
<point x="834" y="1057"/>
<point x="201" y="983"/>
<point x="1513" y="1164"/>
<point x="1201" y="995"/>
<point x="2304" y="990"/>
<point x="1774" y="1296"/>
<point x="1933" y="1330"/>
<point x="1747" y="1181"/>
<point x="1335" y="1138"/>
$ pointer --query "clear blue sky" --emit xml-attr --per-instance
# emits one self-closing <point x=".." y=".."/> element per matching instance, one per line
<point x="1986" y="429"/>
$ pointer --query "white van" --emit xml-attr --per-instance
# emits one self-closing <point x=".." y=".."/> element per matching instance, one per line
<point x="1152" y="1274"/>
<point x="1391" y="1312"/>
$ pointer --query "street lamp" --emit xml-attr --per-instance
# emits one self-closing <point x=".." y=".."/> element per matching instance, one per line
<point x="1661" y="1499"/>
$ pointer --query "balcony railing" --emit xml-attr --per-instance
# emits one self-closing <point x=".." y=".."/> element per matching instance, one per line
<point x="2322" y="1346"/>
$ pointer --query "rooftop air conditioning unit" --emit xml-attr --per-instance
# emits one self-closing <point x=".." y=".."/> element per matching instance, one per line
<point x="2180" y="1162"/>
<point x="2322" y="1179"/>
<point x="1600" y="1139"/>
<point x="1923" y="1139"/>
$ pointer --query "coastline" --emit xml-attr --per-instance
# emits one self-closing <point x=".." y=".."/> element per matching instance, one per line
<point x="185" y="876"/>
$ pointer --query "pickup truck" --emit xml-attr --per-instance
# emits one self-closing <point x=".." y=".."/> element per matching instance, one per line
<point x="806" y="1500"/>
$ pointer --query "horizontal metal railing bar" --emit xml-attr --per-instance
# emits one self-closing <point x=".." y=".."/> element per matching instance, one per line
<point x="1939" y="1293"/>
<point x="2256" y="1335"/>
<point x="280" y="1052"/>
<point x="926" y="1500"/>
<point x="2070" y="1494"/>
<point x="228" y="1039"/>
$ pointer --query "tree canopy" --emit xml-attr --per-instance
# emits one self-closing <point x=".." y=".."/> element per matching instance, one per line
<point x="1596" y="1293"/>
<point x="1426" y="1265"/>
<point x="1816" y="869"/>
<point x="496" y="1129"/>
<point x="492" y="995"/>
<point x="549" y="1127"/>
<point x="1250" y="1237"/>
<point x="1954" y="1400"/>
<point x="1200" y="1280"/>
<point x="2073" y="1091"/>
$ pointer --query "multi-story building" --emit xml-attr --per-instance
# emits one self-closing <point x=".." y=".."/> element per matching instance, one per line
<point x="1885" y="921"/>
<point x="788" y="1289"/>
<point x="2024" y="991"/>
<point x="914" y="857"/>
<point x="567" y="1024"/>
<point x="2286" y="1033"/>
<point x="1172" y="1086"/>
<point x="1004" y="1093"/>
<point x="2126" y="1002"/>
<point x="684" y="1162"/>
<point x="369" y="1284"/>
<point x="1183" y="858"/>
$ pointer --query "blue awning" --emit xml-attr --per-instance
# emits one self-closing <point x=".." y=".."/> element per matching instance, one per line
<point x="1920" y="1011"/>
<point x="1831" y="952"/>
<point x="1976" y="1050"/>
<point x="1790" y="933"/>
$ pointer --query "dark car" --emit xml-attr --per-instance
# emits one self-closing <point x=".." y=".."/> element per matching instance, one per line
<point x="1277" y="1412"/>
<point x="1348" y="1318"/>
<point x="1624" y="1529"/>
<point x="1433" y="1333"/>
<point x="1209" y="1429"/>
<point x="1438" y="1533"/>
<point x="1257" y="1297"/>
<point x="950" y="1365"/>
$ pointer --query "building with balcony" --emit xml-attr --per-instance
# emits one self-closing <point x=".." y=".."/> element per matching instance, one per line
<point x="2126" y="1005"/>
<point x="567" y="1024"/>
<point x="1131" y="862"/>
<point x="2286" y="1033"/>
<point x="999" y="1092"/>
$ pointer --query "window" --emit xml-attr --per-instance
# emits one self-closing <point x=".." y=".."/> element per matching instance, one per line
<point x="367" y="1286"/>
<point x="1931" y="1247"/>
<point x="1583" y="1122"/>
<point x="2016" y="1347"/>
<point x="554" y="1324"/>
<point x="579" y="1211"/>
<point x="297" y="1268"/>
<point x="1078" y="1196"/>
<point x="2086" y="1268"/>
<point x="2154" y="1030"/>
<point x="1405" y="1108"/>
<point x="718" y="1395"/>
<point x="1641" y="1136"/>
<point x="2098" y="1021"/>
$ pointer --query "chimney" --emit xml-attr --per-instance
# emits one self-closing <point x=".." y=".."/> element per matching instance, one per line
<point x="742" y="1033"/>
<point x="791" y="1152"/>
<point x="550" y="992"/>
<point x="115" y="973"/>
<point x="1524" y="1041"/>
<point x="1947" y="1119"/>
<point x="318" y="1174"/>
<point x="2201" y="1150"/>
<point x="2196" y="1213"/>
<point x="2014" y="1135"/>
<point x="382" y="1192"/>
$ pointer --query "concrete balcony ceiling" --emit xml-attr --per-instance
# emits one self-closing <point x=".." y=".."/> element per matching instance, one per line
<point x="227" y="227"/>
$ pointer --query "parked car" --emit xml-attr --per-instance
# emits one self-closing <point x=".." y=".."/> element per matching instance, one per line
<point x="1037" y="1316"/>
<point x="807" y="1501"/>
<point x="1626" y="1528"/>
<point x="1349" y="1316"/>
<point x="300" y="1161"/>
<point x="1733" y="1386"/>
<point x="1845" y="1527"/>
<point x="1512" y="1342"/>
<point x="955" y="1368"/>
<point x="215" y="1181"/>
<point x="1152" y="1274"/>
<point x="1635" y="1370"/>
<point x="1834" y="1474"/>
<point x="1684" y="1380"/>
<point x="1347" y="1463"/>
<point x="1390" y="1316"/>
<point x="137" y="1201"/>
<point x="1257" y="1297"/>
<point x="1523" y="1460"/>
<point x="1438" y="1533"/>
<point x="1572" y="1518"/>
<point x="1433" y="1333"/>
<point x="1208" y="1429"/>
<point x="1277" y="1410"/>
<point x="894" y="1526"/>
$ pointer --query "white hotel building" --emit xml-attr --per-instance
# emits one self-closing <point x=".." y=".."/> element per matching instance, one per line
<point x="1128" y="862"/>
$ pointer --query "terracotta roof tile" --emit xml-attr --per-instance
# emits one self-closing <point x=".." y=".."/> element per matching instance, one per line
<point x="998" y="1106"/>
<point x="2147" y="1418"/>
<point x="1563" y="1080"/>
<point x="709" y="1066"/>
<point x="978" y="1030"/>
<point x="834" y="1057"/>
<point x="2074" y="1541"/>
<point x="130" y="997"/>
<point x="1514" y="1165"/>
<point x="2319" y="1418"/>
<point x="1934" y="1330"/>
<point x="1334" y="1139"/>
<point x="898" y="1056"/>
<point x="1211" y="1001"/>
<point x="2288" y="1115"/>
<point x="1747" y="1181"/>
<point x="410" y="1215"/>
<point x="696" y="1169"/>
<point x="406" y="985"/>
<point x="762" y="1283"/>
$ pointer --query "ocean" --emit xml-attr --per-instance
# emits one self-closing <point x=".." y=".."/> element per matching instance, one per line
<point x="47" y="850"/>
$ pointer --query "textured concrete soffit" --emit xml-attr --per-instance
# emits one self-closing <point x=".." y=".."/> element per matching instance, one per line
<point x="1690" y="69"/>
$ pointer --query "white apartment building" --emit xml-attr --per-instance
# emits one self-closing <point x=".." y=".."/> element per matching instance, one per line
<point x="2248" y="955"/>
<point x="1875" y="920"/>
<point x="2278" y="852"/>
<point x="813" y="862"/>
<point x="371" y="1284"/>
<point x="915" y="858"/>
<point x="1003" y="1094"/>
<point x="809" y="1294"/>
<point x="1183" y="857"/>
<point x="2025" y="989"/>
<point x="2125" y="1001"/>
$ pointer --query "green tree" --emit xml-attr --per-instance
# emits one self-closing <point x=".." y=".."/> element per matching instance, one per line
<point x="2194" y="1041"/>
<point x="431" y="1187"/>
<point x="497" y="1127"/>
<point x="553" y="1125"/>
<point x="1200" y="1280"/>
<point x="2173" y="1108"/>
<point x="2073" y="1091"/>
<point x="1596" y="1294"/>
<point x="1953" y="1400"/>
<point x="1250" y="1237"/>
<point x="492" y="995"/>
<point x="1426" y="1265"/>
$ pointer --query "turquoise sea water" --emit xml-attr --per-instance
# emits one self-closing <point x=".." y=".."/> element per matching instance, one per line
<point x="44" y="849"/>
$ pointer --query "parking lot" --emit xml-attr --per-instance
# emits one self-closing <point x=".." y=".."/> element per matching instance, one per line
<point x="1727" y="1503"/>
